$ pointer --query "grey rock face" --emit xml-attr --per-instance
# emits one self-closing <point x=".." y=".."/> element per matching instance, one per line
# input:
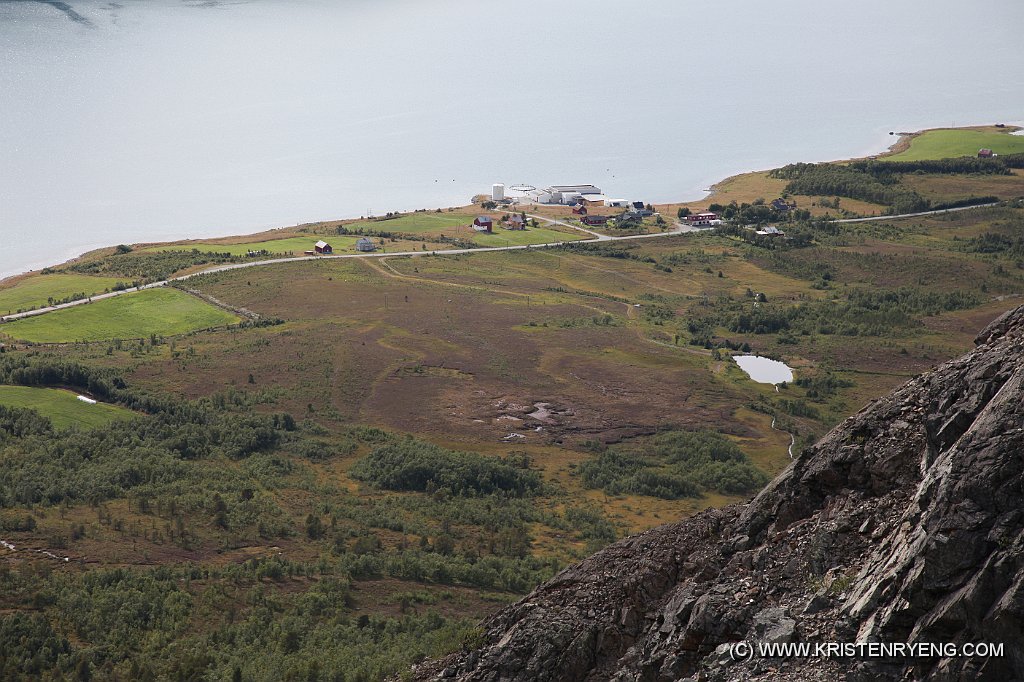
<point x="903" y="524"/>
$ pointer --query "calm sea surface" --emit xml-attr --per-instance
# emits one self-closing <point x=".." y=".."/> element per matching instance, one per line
<point x="157" y="119"/>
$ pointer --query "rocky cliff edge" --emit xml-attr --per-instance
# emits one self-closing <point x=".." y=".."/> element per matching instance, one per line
<point x="902" y="525"/>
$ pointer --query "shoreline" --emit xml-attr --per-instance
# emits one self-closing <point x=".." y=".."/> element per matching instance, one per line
<point x="903" y="141"/>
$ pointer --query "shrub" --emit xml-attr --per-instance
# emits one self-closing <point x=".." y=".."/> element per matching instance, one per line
<point x="673" y="465"/>
<point x="414" y="465"/>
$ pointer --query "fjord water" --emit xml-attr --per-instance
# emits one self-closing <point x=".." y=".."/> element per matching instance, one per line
<point x="157" y="119"/>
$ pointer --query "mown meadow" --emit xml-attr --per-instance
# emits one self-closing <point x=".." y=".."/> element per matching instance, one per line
<point x="159" y="311"/>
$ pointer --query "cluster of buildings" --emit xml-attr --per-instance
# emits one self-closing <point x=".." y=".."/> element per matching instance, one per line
<point x="582" y="198"/>
<point x="565" y="195"/>
<point x="635" y="212"/>
<point x="568" y="195"/>
<point x="322" y="248"/>
<point x="514" y="221"/>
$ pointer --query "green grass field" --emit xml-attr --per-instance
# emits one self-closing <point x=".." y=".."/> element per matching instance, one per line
<point x="62" y="407"/>
<point x="416" y="223"/>
<point x="163" y="311"/>
<point x="944" y="144"/>
<point x="33" y="292"/>
<point x="294" y="245"/>
<point x="532" y="235"/>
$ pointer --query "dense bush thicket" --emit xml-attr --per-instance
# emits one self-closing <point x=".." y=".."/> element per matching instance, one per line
<point x="150" y="267"/>
<point x="823" y="386"/>
<point x="757" y="213"/>
<point x="18" y="422"/>
<point x="845" y="181"/>
<point x="995" y="242"/>
<point x="196" y="623"/>
<point x="999" y="165"/>
<point x="798" y="235"/>
<point x="673" y="465"/>
<point x="419" y="466"/>
<point x="864" y="312"/>
<point x="207" y="471"/>
<point x="878" y="182"/>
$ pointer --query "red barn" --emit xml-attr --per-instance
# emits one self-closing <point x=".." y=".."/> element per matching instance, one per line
<point x="483" y="224"/>
<point x="323" y="247"/>
<point x="594" y="220"/>
<point x="579" y="210"/>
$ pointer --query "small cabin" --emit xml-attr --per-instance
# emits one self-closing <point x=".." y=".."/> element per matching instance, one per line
<point x="593" y="220"/>
<point x="483" y="224"/>
<point x="639" y="206"/>
<point x="516" y="222"/>
<point x="985" y="154"/>
<point x="365" y="245"/>
<point x="579" y="210"/>
<point x="322" y="247"/>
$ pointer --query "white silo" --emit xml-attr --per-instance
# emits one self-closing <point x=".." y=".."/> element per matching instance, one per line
<point x="498" y="192"/>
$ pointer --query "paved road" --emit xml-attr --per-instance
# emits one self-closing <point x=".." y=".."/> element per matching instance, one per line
<point x="914" y="215"/>
<point x="597" y="237"/>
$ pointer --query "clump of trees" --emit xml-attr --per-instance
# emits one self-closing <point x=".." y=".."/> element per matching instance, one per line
<point x="418" y="466"/>
<point x="879" y="182"/>
<point x="864" y="312"/>
<point x="827" y="179"/>
<point x="757" y="213"/>
<point x="141" y="624"/>
<point x="673" y="465"/>
<point x="142" y="267"/>
<point x="824" y="386"/>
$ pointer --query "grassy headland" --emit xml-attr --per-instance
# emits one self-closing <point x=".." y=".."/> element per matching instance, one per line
<point x="947" y="143"/>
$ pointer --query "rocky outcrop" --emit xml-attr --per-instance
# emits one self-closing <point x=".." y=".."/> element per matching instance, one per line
<point x="902" y="525"/>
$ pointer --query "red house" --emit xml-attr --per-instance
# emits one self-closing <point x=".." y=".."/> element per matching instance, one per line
<point x="706" y="218"/>
<point x="985" y="154"/>
<point x="483" y="224"/>
<point x="579" y="210"/>
<point x="323" y="247"/>
<point x="594" y="220"/>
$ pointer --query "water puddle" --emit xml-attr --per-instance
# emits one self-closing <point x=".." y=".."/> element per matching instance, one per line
<point x="764" y="370"/>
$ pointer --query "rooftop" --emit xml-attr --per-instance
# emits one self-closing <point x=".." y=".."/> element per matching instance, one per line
<point x="581" y="189"/>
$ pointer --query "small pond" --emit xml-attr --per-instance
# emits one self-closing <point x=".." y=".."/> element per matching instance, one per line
<point x="764" y="370"/>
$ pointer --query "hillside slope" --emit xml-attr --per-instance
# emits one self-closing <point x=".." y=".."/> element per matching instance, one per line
<point x="901" y="525"/>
